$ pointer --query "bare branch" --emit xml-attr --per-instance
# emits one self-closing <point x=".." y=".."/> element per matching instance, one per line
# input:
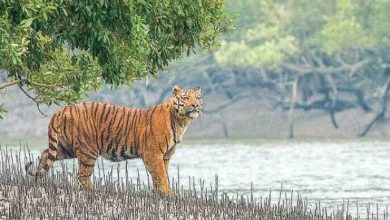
<point x="227" y="104"/>
<point x="33" y="99"/>
<point x="239" y="98"/>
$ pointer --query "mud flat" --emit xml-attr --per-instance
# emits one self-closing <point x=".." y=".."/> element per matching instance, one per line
<point x="60" y="197"/>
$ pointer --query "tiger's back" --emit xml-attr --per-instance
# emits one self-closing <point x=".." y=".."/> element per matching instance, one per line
<point x="114" y="132"/>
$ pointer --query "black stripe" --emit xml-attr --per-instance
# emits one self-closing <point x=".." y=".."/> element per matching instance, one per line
<point x="126" y="136"/>
<point x="161" y="108"/>
<point x="134" y="125"/>
<point x="51" y="157"/>
<point x="146" y="117"/>
<point x="77" y="111"/>
<point x="147" y="112"/>
<point x="52" y="147"/>
<point x="89" y="125"/>
<point x="110" y="145"/>
<point x="92" y="109"/>
<point x="120" y="126"/>
<point x="87" y="164"/>
<point x="133" y="150"/>
<point x="113" y="154"/>
<point x="52" y="138"/>
<point x="71" y="126"/>
<point x="95" y="110"/>
<point x="123" y="153"/>
<point x="119" y="151"/>
<point x="52" y="126"/>
<point x="150" y="121"/>
<point x="66" y="151"/>
<point x="110" y="124"/>
<point x="84" y="105"/>
<point x="64" y="124"/>
<point x="166" y="141"/>
<point x="102" y="114"/>
<point x="88" y="154"/>
<point x="93" y="122"/>
<point x="85" y="115"/>
<point x="78" y="125"/>
<point x="84" y="123"/>
<point x="145" y="134"/>
<point x="109" y="112"/>
<point x="173" y="130"/>
<point x="46" y="167"/>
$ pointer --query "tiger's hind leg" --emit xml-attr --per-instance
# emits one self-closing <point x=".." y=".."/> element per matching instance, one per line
<point x="47" y="158"/>
<point x="45" y="162"/>
<point x="87" y="159"/>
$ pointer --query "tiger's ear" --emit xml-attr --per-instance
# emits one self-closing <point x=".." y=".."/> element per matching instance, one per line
<point x="198" y="89"/>
<point x="176" y="89"/>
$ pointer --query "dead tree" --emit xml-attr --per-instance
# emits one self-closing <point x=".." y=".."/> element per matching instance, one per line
<point x="380" y="116"/>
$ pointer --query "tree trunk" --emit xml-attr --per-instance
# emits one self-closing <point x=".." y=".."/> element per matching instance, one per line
<point x="330" y="97"/>
<point x="224" y="125"/>
<point x="292" y="106"/>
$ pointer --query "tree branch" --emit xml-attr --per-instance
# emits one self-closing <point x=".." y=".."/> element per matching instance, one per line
<point x="323" y="69"/>
<point x="10" y="83"/>
<point x="33" y="99"/>
<point x="44" y="85"/>
<point x="227" y="104"/>
<point x="382" y="112"/>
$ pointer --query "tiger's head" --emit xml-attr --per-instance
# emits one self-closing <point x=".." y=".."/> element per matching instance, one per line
<point x="187" y="102"/>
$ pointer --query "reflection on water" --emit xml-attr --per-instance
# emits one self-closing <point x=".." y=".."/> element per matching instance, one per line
<point x="329" y="172"/>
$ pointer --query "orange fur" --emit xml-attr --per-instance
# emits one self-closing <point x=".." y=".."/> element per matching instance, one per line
<point x="88" y="130"/>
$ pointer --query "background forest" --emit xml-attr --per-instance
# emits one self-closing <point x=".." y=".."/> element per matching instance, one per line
<point x="290" y="68"/>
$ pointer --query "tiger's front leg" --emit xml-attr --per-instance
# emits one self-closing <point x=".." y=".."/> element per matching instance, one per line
<point x="87" y="159"/>
<point x="155" y="164"/>
<point x="167" y="158"/>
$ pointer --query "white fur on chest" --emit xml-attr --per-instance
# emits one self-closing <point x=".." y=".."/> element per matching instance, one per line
<point x="176" y="139"/>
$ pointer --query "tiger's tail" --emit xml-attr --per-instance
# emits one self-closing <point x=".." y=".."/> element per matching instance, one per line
<point x="48" y="156"/>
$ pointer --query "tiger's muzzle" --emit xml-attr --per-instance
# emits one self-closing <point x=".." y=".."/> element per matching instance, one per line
<point x="193" y="112"/>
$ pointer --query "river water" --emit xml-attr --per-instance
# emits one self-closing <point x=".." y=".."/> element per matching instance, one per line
<point x="321" y="171"/>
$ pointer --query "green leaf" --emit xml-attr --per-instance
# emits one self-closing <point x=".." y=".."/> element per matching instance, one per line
<point x="27" y="22"/>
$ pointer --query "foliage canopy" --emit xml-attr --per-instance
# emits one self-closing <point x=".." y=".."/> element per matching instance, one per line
<point x="315" y="54"/>
<point x="60" y="49"/>
<point x="289" y="29"/>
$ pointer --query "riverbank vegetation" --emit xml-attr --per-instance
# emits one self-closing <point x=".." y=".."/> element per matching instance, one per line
<point x="59" y="196"/>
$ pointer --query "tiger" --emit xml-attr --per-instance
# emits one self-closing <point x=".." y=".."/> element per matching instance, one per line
<point x="88" y="130"/>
